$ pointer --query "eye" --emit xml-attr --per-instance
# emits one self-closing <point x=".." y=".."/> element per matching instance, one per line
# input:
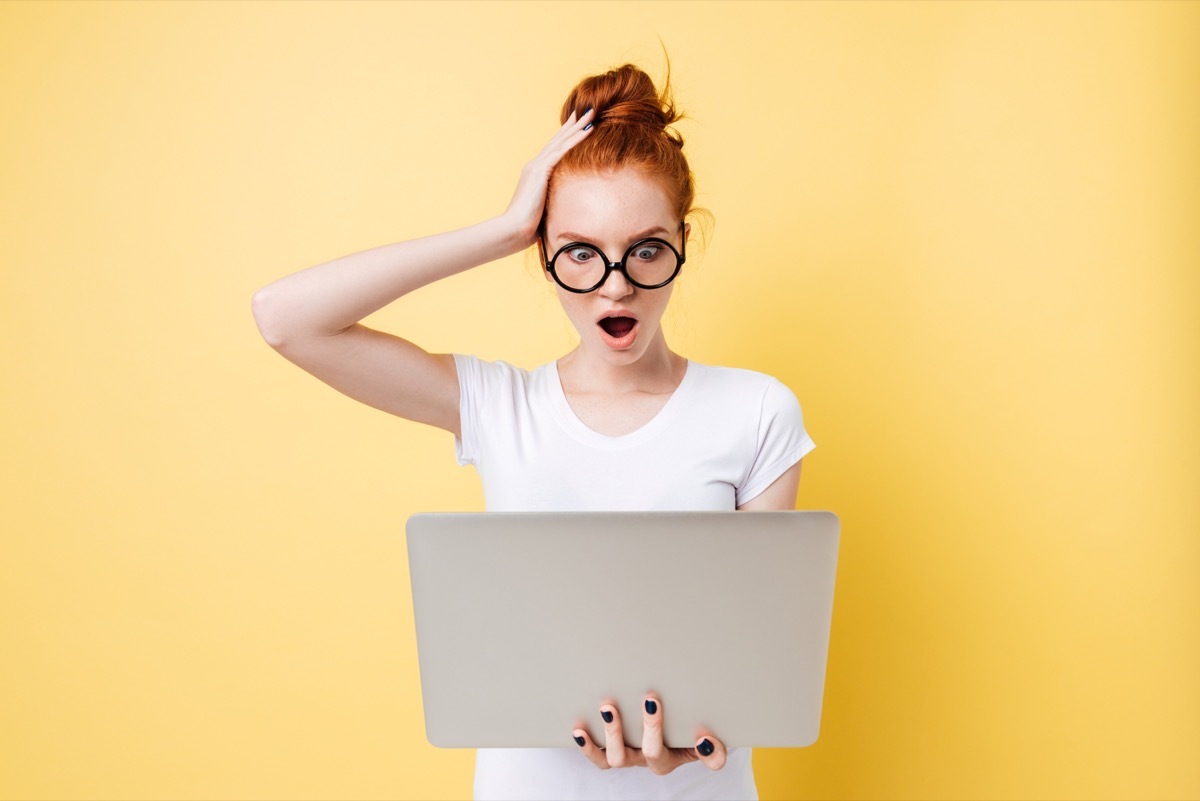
<point x="647" y="251"/>
<point x="581" y="254"/>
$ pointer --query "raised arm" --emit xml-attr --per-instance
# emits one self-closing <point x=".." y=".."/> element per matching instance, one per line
<point x="312" y="317"/>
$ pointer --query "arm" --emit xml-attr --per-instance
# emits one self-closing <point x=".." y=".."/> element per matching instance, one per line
<point x="312" y="317"/>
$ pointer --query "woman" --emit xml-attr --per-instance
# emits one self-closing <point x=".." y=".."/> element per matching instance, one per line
<point x="619" y="423"/>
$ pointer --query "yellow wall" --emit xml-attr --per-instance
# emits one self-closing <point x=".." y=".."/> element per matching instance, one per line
<point x="965" y="234"/>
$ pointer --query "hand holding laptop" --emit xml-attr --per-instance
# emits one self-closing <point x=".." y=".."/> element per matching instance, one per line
<point x="653" y="753"/>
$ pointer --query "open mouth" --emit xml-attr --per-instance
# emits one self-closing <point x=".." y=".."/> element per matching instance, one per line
<point x="617" y="327"/>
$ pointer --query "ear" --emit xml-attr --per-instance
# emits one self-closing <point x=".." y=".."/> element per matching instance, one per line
<point x="687" y="231"/>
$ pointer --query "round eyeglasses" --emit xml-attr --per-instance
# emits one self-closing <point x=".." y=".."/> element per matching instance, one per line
<point x="647" y="264"/>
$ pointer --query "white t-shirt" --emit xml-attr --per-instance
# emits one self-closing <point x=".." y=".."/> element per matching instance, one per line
<point x="723" y="437"/>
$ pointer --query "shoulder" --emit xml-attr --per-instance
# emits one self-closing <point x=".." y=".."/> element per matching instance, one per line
<point x="742" y="383"/>
<point x="481" y="381"/>
<point x="760" y="400"/>
<point x="471" y="362"/>
<point x="474" y="369"/>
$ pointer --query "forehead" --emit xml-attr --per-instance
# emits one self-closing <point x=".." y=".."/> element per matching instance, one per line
<point x="608" y="205"/>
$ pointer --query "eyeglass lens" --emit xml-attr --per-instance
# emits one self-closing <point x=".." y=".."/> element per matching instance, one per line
<point x="649" y="262"/>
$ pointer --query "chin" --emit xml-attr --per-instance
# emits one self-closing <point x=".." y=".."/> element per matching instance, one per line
<point x="630" y="355"/>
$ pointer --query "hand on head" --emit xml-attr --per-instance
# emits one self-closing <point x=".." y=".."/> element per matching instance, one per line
<point x="528" y="202"/>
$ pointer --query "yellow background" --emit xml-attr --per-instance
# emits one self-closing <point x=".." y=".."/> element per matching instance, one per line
<point x="965" y="235"/>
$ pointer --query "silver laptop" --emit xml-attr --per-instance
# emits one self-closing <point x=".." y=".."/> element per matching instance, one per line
<point x="527" y="622"/>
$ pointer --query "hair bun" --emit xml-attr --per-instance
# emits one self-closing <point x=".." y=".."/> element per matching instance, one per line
<point x="625" y="96"/>
<point x="632" y="129"/>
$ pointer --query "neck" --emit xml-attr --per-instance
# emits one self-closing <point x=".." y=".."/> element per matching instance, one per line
<point x="658" y="370"/>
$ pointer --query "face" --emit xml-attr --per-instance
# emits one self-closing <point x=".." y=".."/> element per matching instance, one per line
<point x="618" y="322"/>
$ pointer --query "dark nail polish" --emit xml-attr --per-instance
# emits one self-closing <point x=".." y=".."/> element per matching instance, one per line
<point x="604" y="713"/>
<point x="579" y="741"/>
<point x="651" y="707"/>
<point x="587" y="127"/>
<point x="705" y="748"/>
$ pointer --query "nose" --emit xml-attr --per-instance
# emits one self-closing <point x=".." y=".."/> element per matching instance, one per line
<point x="616" y="286"/>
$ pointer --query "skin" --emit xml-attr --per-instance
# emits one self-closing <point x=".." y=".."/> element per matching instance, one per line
<point x="312" y="319"/>
<point x="615" y="391"/>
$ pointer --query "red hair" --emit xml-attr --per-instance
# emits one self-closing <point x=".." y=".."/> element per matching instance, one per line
<point x="632" y="129"/>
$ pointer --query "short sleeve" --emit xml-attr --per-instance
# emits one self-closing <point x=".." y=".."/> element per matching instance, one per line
<point x="782" y="440"/>
<point x="470" y="400"/>
<point x="486" y="392"/>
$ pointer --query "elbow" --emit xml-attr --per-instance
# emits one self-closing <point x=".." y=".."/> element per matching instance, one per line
<point x="268" y="317"/>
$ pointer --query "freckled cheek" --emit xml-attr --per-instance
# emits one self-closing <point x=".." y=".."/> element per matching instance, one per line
<point x="575" y="313"/>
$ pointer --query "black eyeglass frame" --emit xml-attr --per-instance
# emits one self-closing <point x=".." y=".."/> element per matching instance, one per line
<point x="609" y="266"/>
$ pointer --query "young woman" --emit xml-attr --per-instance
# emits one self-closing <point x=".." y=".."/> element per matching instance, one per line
<point x="621" y="422"/>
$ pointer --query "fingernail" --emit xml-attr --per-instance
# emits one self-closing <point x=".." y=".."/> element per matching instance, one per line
<point x="705" y="748"/>
<point x="651" y="707"/>
<point x="589" y="111"/>
<point x="587" y="127"/>
<point x="604" y="713"/>
<point x="579" y="741"/>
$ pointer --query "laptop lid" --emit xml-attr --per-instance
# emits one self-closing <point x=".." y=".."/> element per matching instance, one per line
<point x="527" y="622"/>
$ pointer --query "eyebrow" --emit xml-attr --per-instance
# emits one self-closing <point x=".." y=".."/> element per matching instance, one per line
<point x="574" y="237"/>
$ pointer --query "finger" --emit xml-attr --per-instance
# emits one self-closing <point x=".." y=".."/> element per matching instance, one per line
<point x="614" y="737"/>
<point x="572" y="132"/>
<point x="658" y="758"/>
<point x="588" y="747"/>
<point x="573" y="125"/>
<point x="582" y="125"/>
<point x="579" y="121"/>
<point x="711" y="751"/>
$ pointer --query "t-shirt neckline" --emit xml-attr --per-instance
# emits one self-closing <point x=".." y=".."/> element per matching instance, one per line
<point x="577" y="428"/>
